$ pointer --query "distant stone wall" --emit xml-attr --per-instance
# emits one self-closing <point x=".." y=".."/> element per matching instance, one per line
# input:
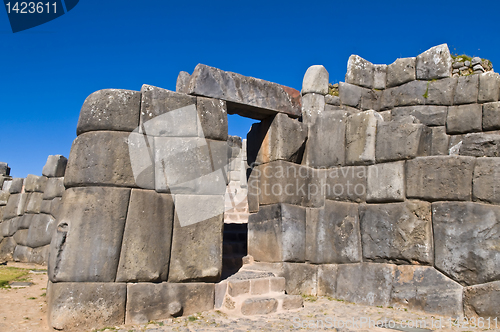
<point x="394" y="199"/>
<point x="28" y="211"/>
<point x="236" y="203"/>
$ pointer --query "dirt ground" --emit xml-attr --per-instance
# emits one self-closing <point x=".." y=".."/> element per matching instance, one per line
<point x="25" y="309"/>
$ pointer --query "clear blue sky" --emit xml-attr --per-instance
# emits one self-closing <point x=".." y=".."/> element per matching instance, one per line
<point x="48" y="71"/>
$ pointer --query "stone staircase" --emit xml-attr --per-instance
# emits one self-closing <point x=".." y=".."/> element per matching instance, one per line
<point x="254" y="291"/>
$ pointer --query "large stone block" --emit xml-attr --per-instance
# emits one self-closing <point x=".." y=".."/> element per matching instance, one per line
<point x="207" y="160"/>
<point x="466" y="241"/>
<point x="22" y="254"/>
<point x="379" y="76"/>
<point x="489" y="87"/>
<point x="55" y="166"/>
<point x="15" y="206"/>
<point x="55" y="188"/>
<point x="276" y="138"/>
<point x="40" y="255"/>
<point x="212" y="114"/>
<point x="359" y="72"/>
<point x="4" y="169"/>
<point x="253" y="193"/>
<point x="167" y="114"/>
<point x="333" y="234"/>
<point x="386" y="182"/>
<point x="34" y="183"/>
<point x="145" y="250"/>
<point x="110" y="109"/>
<point x="491" y="116"/>
<point x="16" y="186"/>
<point x="150" y="302"/>
<point x="327" y="280"/>
<point x="423" y="288"/>
<point x="483" y="301"/>
<point x="285" y="182"/>
<point x="361" y="130"/>
<point x="21" y="236"/>
<point x="400" y="141"/>
<point x="408" y="94"/>
<point x="439" y="178"/>
<point x="182" y="82"/>
<point x="426" y="114"/>
<point x="397" y="232"/>
<point x="246" y="96"/>
<point x="464" y="119"/>
<point x="325" y="145"/>
<point x="9" y="227"/>
<point x="25" y="221"/>
<point x="34" y="203"/>
<point x="196" y="253"/>
<point x="346" y="183"/>
<point x="360" y="98"/>
<point x="486" y="184"/>
<point x="4" y="198"/>
<point x="86" y="245"/>
<point x="55" y="207"/>
<point x="440" y="141"/>
<point x="441" y="92"/>
<point x="301" y="278"/>
<point x="401" y="71"/>
<point x="313" y="104"/>
<point x="436" y="62"/>
<point x="7" y="247"/>
<point x="365" y="283"/>
<point x="277" y="233"/>
<point x="467" y="90"/>
<point x="41" y="230"/>
<point x="480" y="145"/>
<point x="315" y="80"/>
<point x="100" y="158"/>
<point x="86" y="305"/>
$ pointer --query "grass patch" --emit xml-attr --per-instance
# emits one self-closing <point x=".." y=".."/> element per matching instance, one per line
<point x="32" y="298"/>
<point x="310" y="298"/>
<point x="192" y="318"/>
<point x="9" y="274"/>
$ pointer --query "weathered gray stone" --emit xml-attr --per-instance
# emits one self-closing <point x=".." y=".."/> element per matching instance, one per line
<point x="425" y="289"/>
<point x="24" y="222"/>
<point x="466" y="241"/>
<point x="491" y="116"/>
<point x="379" y="76"/>
<point x="386" y="115"/>
<point x="34" y="203"/>
<point x="361" y="129"/>
<point x="100" y="158"/>
<point x="22" y="254"/>
<point x="276" y="138"/>
<point x="17" y="186"/>
<point x="313" y="104"/>
<point x="480" y="145"/>
<point x="40" y="255"/>
<point x="4" y="198"/>
<point x="34" y="183"/>
<point x="359" y="72"/>
<point x="346" y="183"/>
<point x="332" y="100"/>
<point x="401" y="71"/>
<point x="259" y="286"/>
<point x="207" y="160"/>
<point x="440" y="92"/>
<point x="45" y="206"/>
<point x="196" y="253"/>
<point x="428" y="115"/>
<point x="55" y="188"/>
<point x="436" y="62"/>
<point x="7" y="246"/>
<point x="55" y="207"/>
<point x="464" y="119"/>
<point x="397" y="232"/>
<point x="155" y="301"/>
<point x="246" y="96"/>
<point x="238" y="287"/>
<point x="15" y="206"/>
<point x="291" y="302"/>
<point x="301" y="278"/>
<point x="110" y="109"/>
<point x="439" y="178"/>
<point x="145" y="250"/>
<point x="86" y="305"/>
<point x="386" y="182"/>
<point x="4" y="168"/>
<point x="315" y="80"/>
<point x="285" y="182"/>
<point x="182" y="82"/>
<point x="277" y="233"/>
<point x="167" y="114"/>
<point x="365" y="283"/>
<point x="440" y="141"/>
<point x="467" y="90"/>
<point x="86" y="245"/>
<point x="253" y="193"/>
<point x="55" y="166"/>
<point x="398" y="141"/>
<point x="41" y="230"/>
<point x="489" y="87"/>
<point x="411" y="93"/>
<point x="332" y="234"/>
<point x="360" y="98"/>
<point x="325" y="145"/>
<point x="327" y="280"/>
<point x="483" y="301"/>
<point x="212" y="114"/>
<point x="21" y="236"/>
<point x="486" y="186"/>
<point x="259" y="306"/>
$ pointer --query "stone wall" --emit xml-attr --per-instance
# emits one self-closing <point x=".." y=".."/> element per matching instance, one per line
<point x="28" y="211"/>
<point x="394" y="199"/>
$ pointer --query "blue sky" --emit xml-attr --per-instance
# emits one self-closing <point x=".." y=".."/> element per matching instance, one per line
<point x="48" y="71"/>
